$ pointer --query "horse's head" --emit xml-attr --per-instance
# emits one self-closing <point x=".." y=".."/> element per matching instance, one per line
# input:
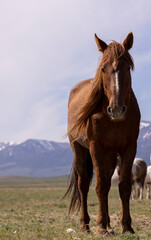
<point x="115" y="75"/>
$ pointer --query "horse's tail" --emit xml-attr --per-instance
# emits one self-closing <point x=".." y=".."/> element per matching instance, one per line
<point x="73" y="186"/>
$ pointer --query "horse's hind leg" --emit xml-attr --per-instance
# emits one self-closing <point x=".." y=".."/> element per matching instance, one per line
<point x="133" y="192"/>
<point x="140" y="190"/>
<point x="83" y="166"/>
<point x="141" y="186"/>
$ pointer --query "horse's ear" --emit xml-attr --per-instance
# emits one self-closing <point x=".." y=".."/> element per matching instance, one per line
<point x="128" y="42"/>
<point x="101" y="45"/>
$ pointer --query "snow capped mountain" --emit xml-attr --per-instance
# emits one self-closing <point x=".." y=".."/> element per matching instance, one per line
<point x="3" y="145"/>
<point x="144" y="124"/>
<point x="41" y="158"/>
<point x="38" y="158"/>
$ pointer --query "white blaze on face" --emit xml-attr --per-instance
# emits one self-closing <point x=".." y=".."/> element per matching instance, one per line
<point x="116" y="82"/>
<point x="116" y="78"/>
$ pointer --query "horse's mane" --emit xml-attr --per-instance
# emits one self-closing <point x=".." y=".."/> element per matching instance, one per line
<point x="114" y="52"/>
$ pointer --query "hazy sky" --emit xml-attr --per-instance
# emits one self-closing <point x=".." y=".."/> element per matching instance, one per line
<point x="47" y="46"/>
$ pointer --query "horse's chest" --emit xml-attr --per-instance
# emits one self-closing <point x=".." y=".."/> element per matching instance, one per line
<point x="111" y="135"/>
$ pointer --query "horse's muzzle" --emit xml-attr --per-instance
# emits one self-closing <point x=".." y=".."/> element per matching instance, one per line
<point x="117" y="113"/>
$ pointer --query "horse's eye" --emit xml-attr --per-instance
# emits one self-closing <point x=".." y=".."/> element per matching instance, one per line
<point x="128" y="68"/>
<point x="102" y="69"/>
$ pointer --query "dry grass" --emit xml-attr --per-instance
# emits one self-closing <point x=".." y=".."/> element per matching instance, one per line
<point x="31" y="209"/>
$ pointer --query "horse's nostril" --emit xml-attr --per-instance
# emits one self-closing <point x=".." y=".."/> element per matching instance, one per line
<point x="109" y="110"/>
<point x="124" y="108"/>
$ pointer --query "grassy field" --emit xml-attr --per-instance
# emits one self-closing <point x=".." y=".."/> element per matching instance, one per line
<point x="31" y="209"/>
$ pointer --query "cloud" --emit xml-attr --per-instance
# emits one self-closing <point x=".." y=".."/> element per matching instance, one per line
<point x="46" y="119"/>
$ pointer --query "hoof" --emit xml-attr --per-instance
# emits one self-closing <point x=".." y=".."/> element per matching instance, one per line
<point x="128" y="229"/>
<point x="102" y="231"/>
<point x="110" y="230"/>
<point x="85" y="228"/>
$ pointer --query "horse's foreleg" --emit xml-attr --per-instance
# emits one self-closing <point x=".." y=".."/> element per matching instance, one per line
<point x="110" y="165"/>
<point x="80" y="164"/>
<point x="109" y="228"/>
<point x="103" y="183"/>
<point x="125" y="187"/>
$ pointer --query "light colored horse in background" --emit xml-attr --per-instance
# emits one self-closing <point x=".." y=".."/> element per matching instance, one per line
<point x="139" y="170"/>
<point x="148" y="182"/>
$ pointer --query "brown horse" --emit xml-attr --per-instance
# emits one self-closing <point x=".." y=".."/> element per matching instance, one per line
<point x="103" y="120"/>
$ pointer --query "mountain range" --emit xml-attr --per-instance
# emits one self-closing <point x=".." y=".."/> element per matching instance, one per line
<point x="36" y="158"/>
<point x="41" y="158"/>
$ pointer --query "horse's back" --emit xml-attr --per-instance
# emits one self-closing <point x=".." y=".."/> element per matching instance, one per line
<point x="79" y="91"/>
<point x="139" y="168"/>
